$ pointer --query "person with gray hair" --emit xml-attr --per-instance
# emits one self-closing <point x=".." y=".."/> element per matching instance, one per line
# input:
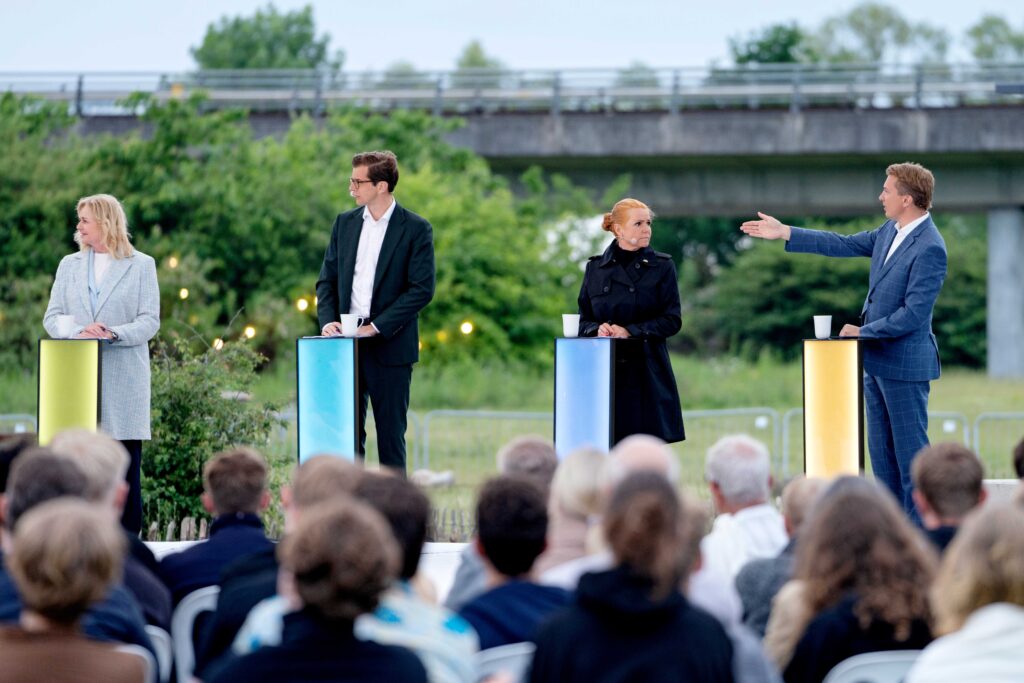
<point x="738" y="472"/>
<point x="104" y="462"/>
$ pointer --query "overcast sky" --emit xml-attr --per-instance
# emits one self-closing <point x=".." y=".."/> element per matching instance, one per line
<point x="72" y="35"/>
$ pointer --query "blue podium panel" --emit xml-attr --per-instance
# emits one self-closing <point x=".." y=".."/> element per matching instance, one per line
<point x="327" y="403"/>
<point x="583" y="394"/>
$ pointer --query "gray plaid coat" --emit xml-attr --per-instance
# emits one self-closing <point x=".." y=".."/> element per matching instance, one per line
<point x="129" y="304"/>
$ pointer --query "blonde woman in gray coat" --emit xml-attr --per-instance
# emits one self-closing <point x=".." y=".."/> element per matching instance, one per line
<point x="110" y="289"/>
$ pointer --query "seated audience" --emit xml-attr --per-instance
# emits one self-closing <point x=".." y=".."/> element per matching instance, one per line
<point x="631" y="622"/>
<point x="859" y="585"/>
<point x="66" y="555"/>
<point x="248" y="580"/>
<point x="37" y="476"/>
<point x="574" y="507"/>
<point x="335" y="564"/>
<point x="530" y="457"/>
<point x="759" y="580"/>
<point x="512" y="522"/>
<point x="948" y="480"/>
<point x="978" y="601"/>
<point x="104" y="461"/>
<point x="738" y="471"/>
<point x="234" y="492"/>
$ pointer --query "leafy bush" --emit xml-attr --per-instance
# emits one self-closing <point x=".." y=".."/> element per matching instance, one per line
<point x="199" y="408"/>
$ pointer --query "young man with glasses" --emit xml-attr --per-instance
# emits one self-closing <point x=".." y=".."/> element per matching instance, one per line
<point x="379" y="265"/>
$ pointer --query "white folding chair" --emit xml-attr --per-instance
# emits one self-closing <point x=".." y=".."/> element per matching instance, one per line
<point x="161" y="640"/>
<point x="874" y="667"/>
<point x="182" y="625"/>
<point x="513" y="659"/>
<point x="146" y="656"/>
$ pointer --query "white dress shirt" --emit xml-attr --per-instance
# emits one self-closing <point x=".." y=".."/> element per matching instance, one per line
<point x="100" y="265"/>
<point x="748" y="534"/>
<point x="367" y="254"/>
<point x="903" y="233"/>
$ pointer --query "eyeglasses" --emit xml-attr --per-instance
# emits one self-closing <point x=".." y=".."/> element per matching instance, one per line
<point x="357" y="182"/>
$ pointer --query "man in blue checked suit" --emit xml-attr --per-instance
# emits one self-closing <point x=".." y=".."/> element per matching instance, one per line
<point x="901" y="356"/>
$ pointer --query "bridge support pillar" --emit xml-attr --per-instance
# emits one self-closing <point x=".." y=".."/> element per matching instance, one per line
<point x="1006" y="292"/>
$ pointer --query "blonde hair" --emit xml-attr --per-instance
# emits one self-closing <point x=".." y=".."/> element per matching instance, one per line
<point x="578" y="486"/>
<point x="110" y="217"/>
<point x="66" y="554"/>
<point x="983" y="565"/>
<point x="617" y="216"/>
<point x="103" y="460"/>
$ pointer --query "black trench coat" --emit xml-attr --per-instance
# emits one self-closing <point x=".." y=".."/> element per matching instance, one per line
<point x="646" y="397"/>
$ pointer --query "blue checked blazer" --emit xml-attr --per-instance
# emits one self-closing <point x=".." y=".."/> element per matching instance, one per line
<point x="897" y="314"/>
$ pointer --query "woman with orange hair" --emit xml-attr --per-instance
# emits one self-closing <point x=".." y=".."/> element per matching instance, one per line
<point x="631" y="292"/>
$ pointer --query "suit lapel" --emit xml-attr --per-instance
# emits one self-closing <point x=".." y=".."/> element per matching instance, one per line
<point x="348" y="250"/>
<point x="905" y="247"/>
<point x="878" y="257"/>
<point x="392" y="236"/>
<point x="117" y="270"/>
<point x="81" y="281"/>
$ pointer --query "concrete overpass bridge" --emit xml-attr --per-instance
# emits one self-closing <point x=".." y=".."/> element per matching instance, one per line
<point x="791" y="140"/>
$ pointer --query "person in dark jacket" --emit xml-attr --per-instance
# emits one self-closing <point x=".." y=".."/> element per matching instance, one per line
<point x="632" y="623"/>
<point x="631" y="292"/>
<point x="235" y="492"/>
<point x="948" y="484"/>
<point x="336" y="563"/>
<point x="512" y="524"/>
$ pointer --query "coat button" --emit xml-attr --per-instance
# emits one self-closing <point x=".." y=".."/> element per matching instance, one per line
<point x="606" y="288"/>
<point x="632" y="289"/>
<point x="637" y="266"/>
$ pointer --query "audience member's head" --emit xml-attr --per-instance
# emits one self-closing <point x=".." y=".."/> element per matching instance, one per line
<point x="39" y="475"/>
<point x="983" y="565"/>
<point x="102" y="459"/>
<point x="578" y="487"/>
<point x="797" y="498"/>
<point x="857" y="540"/>
<point x="512" y="524"/>
<point x="1018" y="459"/>
<point x="66" y="554"/>
<point x="406" y="510"/>
<point x="645" y="531"/>
<point x="340" y="557"/>
<point x="532" y="457"/>
<point x="948" y="480"/>
<point x="319" y="479"/>
<point x="235" y="482"/>
<point x="641" y="453"/>
<point x="738" y="470"/>
<point x="11" y="446"/>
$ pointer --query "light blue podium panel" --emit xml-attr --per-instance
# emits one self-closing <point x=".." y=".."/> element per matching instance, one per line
<point x="584" y="394"/>
<point x="328" y="397"/>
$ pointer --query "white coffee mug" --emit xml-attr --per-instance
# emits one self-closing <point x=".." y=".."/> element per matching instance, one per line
<point x="822" y="326"/>
<point x="570" y="324"/>
<point x="65" y="326"/>
<point x="350" y="323"/>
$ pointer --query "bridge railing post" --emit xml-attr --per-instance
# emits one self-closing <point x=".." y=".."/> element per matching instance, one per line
<point x="673" y="101"/>
<point x="556" y="94"/>
<point x="794" y="102"/>
<point x="918" y="85"/>
<point x="439" y="95"/>
<point x="79" y="94"/>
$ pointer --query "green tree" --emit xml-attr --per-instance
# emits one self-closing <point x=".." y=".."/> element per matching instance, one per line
<point x="404" y="76"/>
<point x="267" y="40"/>
<point x="475" y="69"/>
<point x="636" y="75"/>
<point x="992" y="38"/>
<point x="876" y="32"/>
<point x="775" y="44"/>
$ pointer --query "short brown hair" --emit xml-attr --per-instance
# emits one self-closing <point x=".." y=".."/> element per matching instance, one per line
<point x="407" y="511"/>
<point x="40" y="475"/>
<point x="323" y="478"/>
<point x="512" y="523"/>
<point x="949" y="476"/>
<point x="914" y="180"/>
<point x="532" y="457"/>
<point x="66" y="554"/>
<point x="342" y="556"/>
<point x="380" y="167"/>
<point x="236" y="480"/>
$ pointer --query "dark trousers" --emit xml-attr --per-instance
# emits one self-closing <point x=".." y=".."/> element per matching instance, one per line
<point x="387" y="388"/>
<point x="131" y="517"/>
<point x="897" y="414"/>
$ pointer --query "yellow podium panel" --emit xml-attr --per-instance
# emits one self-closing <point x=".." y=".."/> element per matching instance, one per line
<point x="833" y="408"/>
<point x="69" y="386"/>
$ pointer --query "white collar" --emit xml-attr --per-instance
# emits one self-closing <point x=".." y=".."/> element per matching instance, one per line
<point x="367" y="216"/>
<point x="912" y="224"/>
